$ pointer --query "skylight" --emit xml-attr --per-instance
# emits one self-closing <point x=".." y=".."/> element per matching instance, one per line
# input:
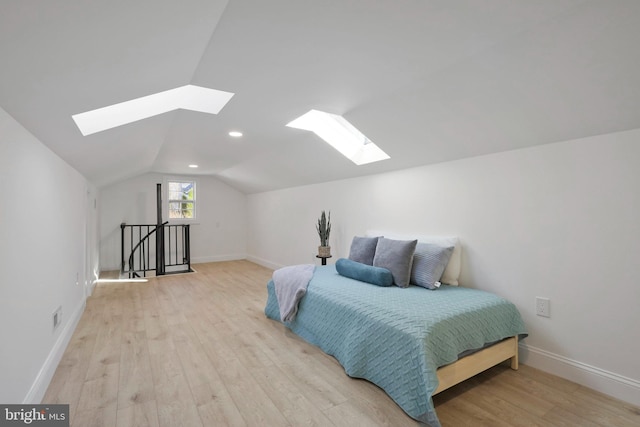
<point x="341" y="135"/>
<point x="189" y="97"/>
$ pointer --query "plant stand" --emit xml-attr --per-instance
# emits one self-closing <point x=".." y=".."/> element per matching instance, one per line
<point x="323" y="258"/>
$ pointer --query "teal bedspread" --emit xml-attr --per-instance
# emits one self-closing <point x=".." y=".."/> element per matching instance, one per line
<point x="397" y="338"/>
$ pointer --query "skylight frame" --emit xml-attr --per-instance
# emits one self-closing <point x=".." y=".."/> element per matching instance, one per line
<point x="188" y="97"/>
<point x="336" y="131"/>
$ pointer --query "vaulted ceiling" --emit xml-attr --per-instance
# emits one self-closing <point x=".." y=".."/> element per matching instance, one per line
<point x="426" y="80"/>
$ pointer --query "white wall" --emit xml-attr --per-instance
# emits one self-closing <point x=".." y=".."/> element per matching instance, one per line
<point x="43" y="231"/>
<point x="218" y="234"/>
<point x="558" y="221"/>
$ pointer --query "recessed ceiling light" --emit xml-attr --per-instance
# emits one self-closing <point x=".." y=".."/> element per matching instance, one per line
<point x="341" y="135"/>
<point x="193" y="166"/>
<point x="235" y="134"/>
<point x="187" y="97"/>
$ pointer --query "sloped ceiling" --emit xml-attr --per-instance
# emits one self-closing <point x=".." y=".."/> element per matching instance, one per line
<point x="427" y="81"/>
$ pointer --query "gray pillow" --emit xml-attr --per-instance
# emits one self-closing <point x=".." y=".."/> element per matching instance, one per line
<point x="363" y="249"/>
<point x="396" y="256"/>
<point x="429" y="262"/>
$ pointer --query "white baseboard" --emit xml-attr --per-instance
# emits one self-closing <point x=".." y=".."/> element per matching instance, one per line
<point x="264" y="262"/>
<point x="217" y="258"/>
<point x="91" y="287"/>
<point x="41" y="383"/>
<point x="610" y="383"/>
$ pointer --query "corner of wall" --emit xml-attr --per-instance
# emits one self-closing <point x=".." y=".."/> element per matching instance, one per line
<point x="264" y="262"/>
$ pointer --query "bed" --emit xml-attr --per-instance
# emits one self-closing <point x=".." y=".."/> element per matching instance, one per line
<point x="412" y="342"/>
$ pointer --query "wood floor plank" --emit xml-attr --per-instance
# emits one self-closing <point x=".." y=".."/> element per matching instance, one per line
<point x="221" y="413"/>
<point x="252" y="401"/>
<point x="369" y="412"/>
<point x="133" y="313"/>
<point x="176" y="406"/>
<point x="100" y="393"/>
<point x="107" y="347"/>
<point x="561" y="418"/>
<point x="217" y="341"/>
<point x="138" y="415"/>
<point x="196" y="365"/>
<point x="483" y="397"/>
<point x="136" y="381"/>
<point x="197" y="350"/>
<point x="623" y="411"/>
<point x="66" y="384"/>
<point x="386" y="409"/>
<point x="100" y="417"/>
<point x="315" y="386"/>
<point x="542" y="378"/>
<point x="540" y="390"/>
<point x="215" y="405"/>
<point x="597" y="411"/>
<point x="527" y="402"/>
<point x="473" y="415"/>
<point x="349" y="413"/>
<point x="164" y="361"/>
<point x="288" y="398"/>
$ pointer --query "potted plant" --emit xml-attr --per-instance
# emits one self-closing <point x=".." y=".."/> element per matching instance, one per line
<point x="324" y="230"/>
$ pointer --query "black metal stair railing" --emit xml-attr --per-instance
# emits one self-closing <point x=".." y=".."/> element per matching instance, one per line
<point x="164" y="252"/>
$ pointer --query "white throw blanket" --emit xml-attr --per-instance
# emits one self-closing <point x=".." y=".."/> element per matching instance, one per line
<point x="290" y="284"/>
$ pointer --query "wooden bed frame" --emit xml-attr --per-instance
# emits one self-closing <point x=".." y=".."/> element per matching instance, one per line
<point x="473" y="364"/>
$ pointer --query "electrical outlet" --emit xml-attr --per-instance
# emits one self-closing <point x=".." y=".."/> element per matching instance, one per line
<point x="543" y="307"/>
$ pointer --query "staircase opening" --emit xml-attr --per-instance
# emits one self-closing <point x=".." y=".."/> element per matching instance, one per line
<point x="155" y="249"/>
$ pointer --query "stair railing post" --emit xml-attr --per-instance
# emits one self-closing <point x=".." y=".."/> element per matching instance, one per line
<point x="122" y="226"/>
<point x="187" y="244"/>
<point x="160" y="270"/>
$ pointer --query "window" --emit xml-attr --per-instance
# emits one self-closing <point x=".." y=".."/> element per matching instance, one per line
<point x="182" y="199"/>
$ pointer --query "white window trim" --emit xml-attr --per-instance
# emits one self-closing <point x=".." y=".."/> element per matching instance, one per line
<point x="165" y="200"/>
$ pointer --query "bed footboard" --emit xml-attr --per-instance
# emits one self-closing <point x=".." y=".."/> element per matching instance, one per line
<point x="468" y="366"/>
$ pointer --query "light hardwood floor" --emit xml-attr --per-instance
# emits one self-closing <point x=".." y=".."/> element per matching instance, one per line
<point x="197" y="350"/>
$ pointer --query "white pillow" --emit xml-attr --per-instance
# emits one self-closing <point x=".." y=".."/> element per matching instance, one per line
<point x="452" y="271"/>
